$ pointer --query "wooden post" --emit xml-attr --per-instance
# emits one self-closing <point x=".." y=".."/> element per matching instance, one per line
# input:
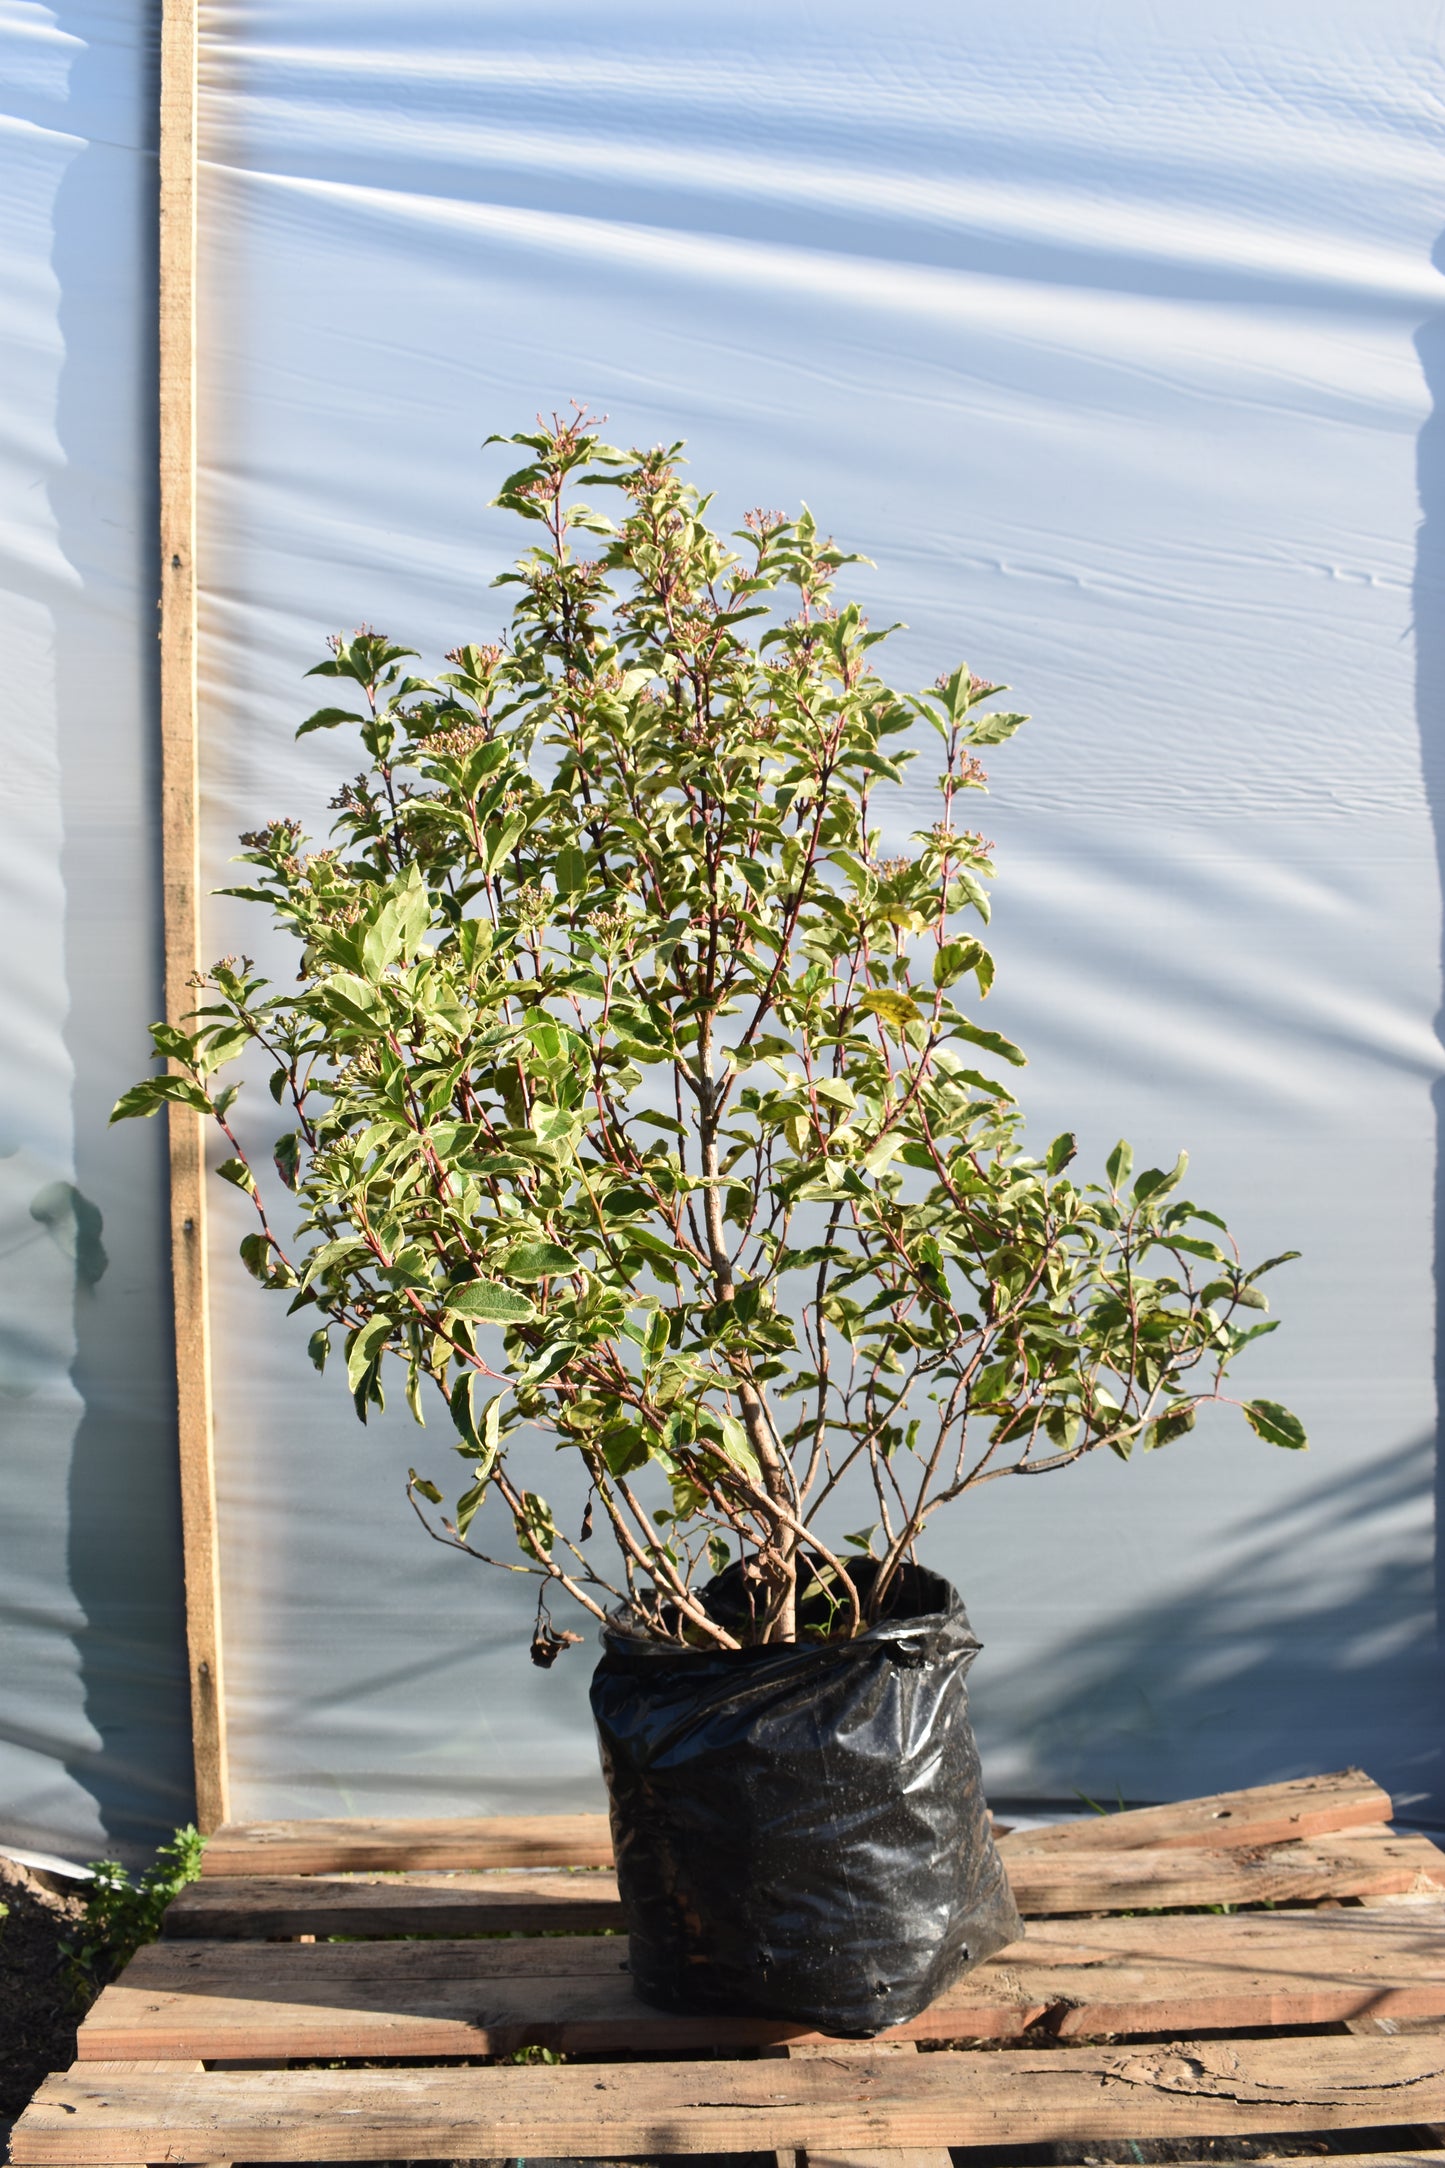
<point x="181" y="864"/>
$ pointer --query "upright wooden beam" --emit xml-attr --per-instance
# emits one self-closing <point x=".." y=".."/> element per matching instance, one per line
<point x="181" y="860"/>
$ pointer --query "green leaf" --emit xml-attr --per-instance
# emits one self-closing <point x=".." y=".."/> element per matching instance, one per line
<point x="993" y="729"/>
<point x="1156" y="1182"/>
<point x="539" y="1261"/>
<point x="665" y="1254"/>
<point x="883" y="1149"/>
<point x="459" y="1404"/>
<point x="992" y="1041"/>
<point x="501" y="840"/>
<point x="737" y="1444"/>
<point x="142" y="1099"/>
<point x="1268" y="1420"/>
<point x="327" y="719"/>
<point x="420" y="1483"/>
<point x="1192" y="1246"/>
<point x="862" y="1539"/>
<point x="535" y="1521"/>
<point x="364" y="1348"/>
<point x="469" y="1503"/>
<point x="156" y="1091"/>
<point x="489" y="1302"/>
<point x="1120" y="1163"/>
<point x="548" y="1363"/>
<point x="894" y="1009"/>
<point x="1171" y="1425"/>
<point x="175" y="1044"/>
<point x="1061" y="1151"/>
<point x="624" y="1448"/>
<point x="396" y="931"/>
<point x="1285" y="1257"/>
<point x="719" y="1557"/>
<point x="970" y="890"/>
<point x="569" y="871"/>
<point x="956" y="958"/>
<point x="352" y="998"/>
<point x="992" y="1383"/>
<point x="478" y="1444"/>
<point x="236" y="1171"/>
<point x="318" y="1347"/>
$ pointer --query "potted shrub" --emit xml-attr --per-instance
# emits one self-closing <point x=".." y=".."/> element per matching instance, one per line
<point x="636" y="1106"/>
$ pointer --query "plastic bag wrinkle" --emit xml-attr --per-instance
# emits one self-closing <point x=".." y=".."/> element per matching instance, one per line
<point x="801" y="1831"/>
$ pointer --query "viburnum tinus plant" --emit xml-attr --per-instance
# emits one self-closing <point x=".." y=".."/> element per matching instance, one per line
<point x="637" y="1100"/>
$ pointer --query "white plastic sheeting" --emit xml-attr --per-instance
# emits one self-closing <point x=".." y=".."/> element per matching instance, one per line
<point x="1111" y="334"/>
<point x="1096" y="330"/>
<point x="94" y="1724"/>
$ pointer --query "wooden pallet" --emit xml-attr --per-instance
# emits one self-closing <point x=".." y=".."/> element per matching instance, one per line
<point x="1164" y="2020"/>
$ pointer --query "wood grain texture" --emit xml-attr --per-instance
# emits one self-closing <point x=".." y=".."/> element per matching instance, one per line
<point x="1355" y="1863"/>
<point x="524" y="1900"/>
<point x="152" y="2069"/>
<point x="238" y="2000"/>
<point x="1263" y="1814"/>
<point x="181" y="883"/>
<point x="1219" y="2088"/>
<point x="524" y="1840"/>
<point x="528" y="1900"/>
<point x="835" y="2156"/>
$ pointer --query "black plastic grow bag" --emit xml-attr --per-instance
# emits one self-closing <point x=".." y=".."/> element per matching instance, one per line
<point x="801" y="1831"/>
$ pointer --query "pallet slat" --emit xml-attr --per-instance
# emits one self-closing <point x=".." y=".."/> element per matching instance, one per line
<point x="522" y="1840"/>
<point x="1264" y="1814"/>
<point x="507" y="1901"/>
<point x="229" y="2001"/>
<point x="852" y="2156"/>
<point x="1194" y="2089"/>
<point x="528" y="1901"/>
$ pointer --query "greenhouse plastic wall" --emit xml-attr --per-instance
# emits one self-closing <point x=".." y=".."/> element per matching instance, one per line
<point x="1113" y="337"/>
<point x="94" y="1716"/>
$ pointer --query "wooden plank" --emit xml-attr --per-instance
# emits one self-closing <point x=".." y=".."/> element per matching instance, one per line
<point x="1194" y="2089"/>
<point x="152" y="2069"/>
<point x="237" y="2000"/>
<point x="906" y="2156"/>
<point x="1371" y="2025"/>
<point x="1262" y="1814"/>
<point x="894" y="2156"/>
<point x="508" y="1901"/>
<point x="1266" y="1814"/>
<point x="530" y="1901"/>
<point x="1354" y="1863"/>
<point x="524" y="1840"/>
<point x="182" y="887"/>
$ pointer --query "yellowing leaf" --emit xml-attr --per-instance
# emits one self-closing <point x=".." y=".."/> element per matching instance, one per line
<point x="894" y="1008"/>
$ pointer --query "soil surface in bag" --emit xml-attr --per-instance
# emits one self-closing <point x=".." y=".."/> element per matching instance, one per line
<point x="801" y="1830"/>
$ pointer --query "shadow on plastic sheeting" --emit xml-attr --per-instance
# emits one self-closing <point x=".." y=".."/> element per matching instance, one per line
<point x="1429" y="628"/>
<point x="1233" y="1680"/>
<point x="124" y="1545"/>
<point x="1243" y="1706"/>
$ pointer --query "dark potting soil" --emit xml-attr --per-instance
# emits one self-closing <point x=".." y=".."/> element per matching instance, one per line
<point x="37" y="2017"/>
